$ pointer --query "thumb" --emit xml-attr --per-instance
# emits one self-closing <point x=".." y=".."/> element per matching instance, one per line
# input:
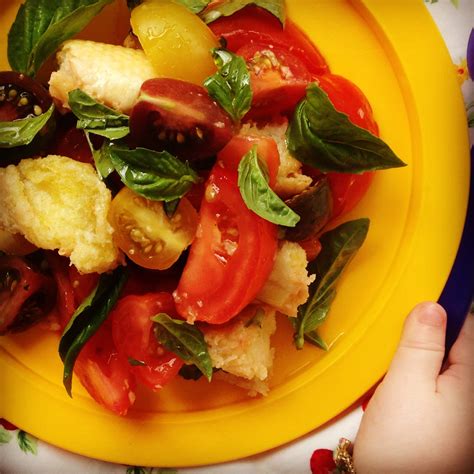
<point x="420" y="353"/>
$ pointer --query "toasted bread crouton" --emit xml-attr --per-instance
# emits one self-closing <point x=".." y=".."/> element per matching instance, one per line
<point x="242" y="346"/>
<point x="110" y="74"/>
<point x="287" y="285"/>
<point x="290" y="180"/>
<point x="60" y="203"/>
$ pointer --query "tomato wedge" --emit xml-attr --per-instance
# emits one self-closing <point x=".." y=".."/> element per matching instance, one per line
<point x="254" y="24"/>
<point x="105" y="373"/>
<point x="278" y="79"/>
<point x="267" y="150"/>
<point x="231" y="257"/>
<point x="132" y="331"/>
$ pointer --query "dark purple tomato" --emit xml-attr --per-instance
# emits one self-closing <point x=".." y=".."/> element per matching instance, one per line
<point x="179" y="117"/>
<point x="21" y="96"/>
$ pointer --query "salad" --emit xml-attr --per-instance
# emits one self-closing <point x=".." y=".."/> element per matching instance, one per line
<point x="165" y="202"/>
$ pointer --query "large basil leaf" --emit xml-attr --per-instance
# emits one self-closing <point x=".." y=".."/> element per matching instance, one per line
<point x="97" y="118"/>
<point x="339" y="246"/>
<point x="185" y="340"/>
<point x="230" y="86"/>
<point x="154" y="175"/>
<point x="229" y="7"/>
<point x="87" y="319"/>
<point x="41" y="26"/>
<point x="326" y="139"/>
<point x="257" y="194"/>
<point x="23" y="131"/>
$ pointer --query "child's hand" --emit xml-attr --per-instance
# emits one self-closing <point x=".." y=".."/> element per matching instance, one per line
<point x="419" y="421"/>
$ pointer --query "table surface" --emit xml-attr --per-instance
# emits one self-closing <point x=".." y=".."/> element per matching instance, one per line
<point x="22" y="453"/>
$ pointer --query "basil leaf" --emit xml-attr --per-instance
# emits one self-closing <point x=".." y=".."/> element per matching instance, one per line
<point x="230" y="86"/>
<point x="339" y="246"/>
<point x="41" y="26"/>
<point x="257" y="194"/>
<point x="185" y="340"/>
<point x="97" y="118"/>
<point x="196" y="6"/>
<point x="87" y="319"/>
<point x="229" y="7"/>
<point x="135" y="362"/>
<point x="314" y="338"/>
<point x="23" y="131"/>
<point x="171" y="207"/>
<point x="103" y="163"/>
<point x="155" y="175"/>
<point x="326" y="139"/>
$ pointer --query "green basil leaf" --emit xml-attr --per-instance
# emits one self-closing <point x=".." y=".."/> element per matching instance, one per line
<point x="196" y="6"/>
<point x="230" y="86"/>
<point x="154" y="175"/>
<point x="23" y="131"/>
<point x="87" y="319"/>
<point x="171" y="207"/>
<point x="257" y="194"/>
<point x="339" y="246"/>
<point x="136" y="363"/>
<point x="229" y="7"/>
<point x="185" y="340"/>
<point x="103" y="163"/>
<point x="41" y="26"/>
<point x="97" y="118"/>
<point x="326" y="139"/>
<point x="314" y="338"/>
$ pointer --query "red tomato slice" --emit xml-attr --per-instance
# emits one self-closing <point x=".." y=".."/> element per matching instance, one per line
<point x="253" y="24"/>
<point x="278" y="80"/>
<point x="267" y="150"/>
<point x="348" y="189"/>
<point x="231" y="257"/>
<point x="25" y="294"/>
<point x="132" y="331"/>
<point x="104" y="373"/>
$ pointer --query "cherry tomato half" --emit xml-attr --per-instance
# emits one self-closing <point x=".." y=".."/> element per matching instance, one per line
<point x="26" y="295"/>
<point x="267" y="150"/>
<point x="231" y="257"/>
<point x="146" y="234"/>
<point x="105" y="373"/>
<point x="132" y="331"/>
<point x="179" y="117"/>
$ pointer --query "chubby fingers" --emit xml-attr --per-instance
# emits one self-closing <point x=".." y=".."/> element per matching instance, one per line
<point x="418" y="359"/>
<point x="461" y="355"/>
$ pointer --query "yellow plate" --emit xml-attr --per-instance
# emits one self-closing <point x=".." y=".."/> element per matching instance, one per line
<point x="393" y="51"/>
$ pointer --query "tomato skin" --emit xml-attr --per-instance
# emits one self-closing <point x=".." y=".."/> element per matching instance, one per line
<point x="65" y="298"/>
<point x="105" y="373"/>
<point x="349" y="99"/>
<point x="254" y="24"/>
<point x="240" y="145"/>
<point x="26" y="295"/>
<point x="132" y="331"/>
<point x="278" y="80"/>
<point x="231" y="257"/>
<point x="348" y="189"/>
<point x="73" y="143"/>
<point x="82" y="284"/>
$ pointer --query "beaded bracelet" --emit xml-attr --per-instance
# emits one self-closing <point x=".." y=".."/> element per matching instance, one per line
<point x="343" y="457"/>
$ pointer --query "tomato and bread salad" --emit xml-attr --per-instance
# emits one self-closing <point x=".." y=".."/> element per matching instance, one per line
<point x="165" y="202"/>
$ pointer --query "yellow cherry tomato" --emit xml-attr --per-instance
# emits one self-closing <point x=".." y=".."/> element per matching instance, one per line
<point x="176" y="41"/>
<point x="146" y="234"/>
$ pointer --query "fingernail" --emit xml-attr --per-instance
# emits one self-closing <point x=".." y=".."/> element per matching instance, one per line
<point x="431" y="314"/>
